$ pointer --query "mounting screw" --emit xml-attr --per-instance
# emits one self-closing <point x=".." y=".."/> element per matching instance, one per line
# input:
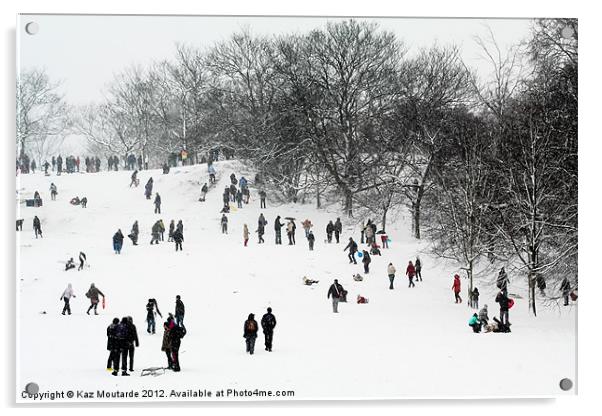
<point x="32" y="388"/>
<point x="566" y="384"/>
<point x="32" y="28"/>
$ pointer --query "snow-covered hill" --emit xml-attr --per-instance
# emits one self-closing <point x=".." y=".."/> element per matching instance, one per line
<point x="403" y="343"/>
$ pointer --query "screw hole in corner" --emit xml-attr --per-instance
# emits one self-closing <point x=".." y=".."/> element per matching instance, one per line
<point x="32" y="28"/>
<point x="566" y="384"/>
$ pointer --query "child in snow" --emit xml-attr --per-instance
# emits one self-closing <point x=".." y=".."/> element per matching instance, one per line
<point x="475" y="323"/>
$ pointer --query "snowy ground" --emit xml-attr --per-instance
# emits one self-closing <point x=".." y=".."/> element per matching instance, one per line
<point x="404" y="343"/>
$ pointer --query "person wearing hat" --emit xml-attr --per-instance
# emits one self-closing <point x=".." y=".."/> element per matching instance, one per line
<point x="268" y="323"/>
<point x="336" y="291"/>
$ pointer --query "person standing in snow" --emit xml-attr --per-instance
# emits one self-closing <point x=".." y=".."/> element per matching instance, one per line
<point x="418" y="267"/>
<point x="157" y="203"/>
<point x="121" y="339"/>
<point x="82" y="260"/>
<point x="502" y="280"/>
<point x="329" y="231"/>
<point x="384" y="239"/>
<point x="132" y="341"/>
<point x="37" y="227"/>
<point x="150" y="315"/>
<point x="565" y="288"/>
<point x="250" y="333"/>
<point x="134" y="178"/>
<point x="172" y="227"/>
<point x="92" y="294"/>
<point x="161" y="229"/>
<point x="278" y="228"/>
<point x="224" y="223"/>
<point x="180" y="226"/>
<point x="410" y="272"/>
<point x="290" y="232"/>
<point x="178" y="237"/>
<point x="148" y="188"/>
<point x="474" y="301"/>
<point x="352" y="246"/>
<point x="456" y="288"/>
<point x="166" y="343"/>
<point x="66" y="297"/>
<point x="369" y="234"/>
<point x="118" y="241"/>
<point x="53" y="191"/>
<point x="391" y="272"/>
<point x="134" y="233"/>
<point x="204" y="190"/>
<point x="307" y="226"/>
<point x="338" y="229"/>
<point x="175" y="336"/>
<point x="311" y="239"/>
<point x="268" y="323"/>
<point x="261" y="223"/>
<point x="179" y="311"/>
<point x="366" y="260"/>
<point x="335" y="291"/>
<point x="239" y="199"/>
<point x="246" y="195"/>
<point x="84" y="202"/>
<point x="113" y="347"/>
<point x="262" y="196"/>
<point x="502" y="299"/>
<point x="245" y="234"/>
<point x="233" y="193"/>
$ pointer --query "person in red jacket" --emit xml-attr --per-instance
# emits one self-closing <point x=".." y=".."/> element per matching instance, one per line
<point x="456" y="288"/>
<point x="411" y="272"/>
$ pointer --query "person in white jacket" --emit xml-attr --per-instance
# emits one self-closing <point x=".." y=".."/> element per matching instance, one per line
<point x="391" y="272"/>
<point x="66" y="297"/>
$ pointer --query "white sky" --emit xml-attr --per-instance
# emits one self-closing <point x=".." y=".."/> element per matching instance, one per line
<point x="84" y="51"/>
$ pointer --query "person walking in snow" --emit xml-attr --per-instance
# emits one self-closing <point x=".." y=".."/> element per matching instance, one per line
<point x="456" y="288"/>
<point x="148" y="188"/>
<point x="246" y="195"/>
<point x="132" y="340"/>
<point x="245" y="234"/>
<point x="262" y="196"/>
<point x="474" y="301"/>
<point x="411" y="272"/>
<point x="311" y="239"/>
<point x="151" y="306"/>
<point x="338" y="229"/>
<point x="82" y="260"/>
<point x="155" y="233"/>
<point x="92" y="294"/>
<point x="134" y="178"/>
<point x="391" y="272"/>
<point x="224" y="223"/>
<point x="118" y="241"/>
<point x="335" y="291"/>
<point x="179" y="311"/>
<point x="239" y="199"/>
<point x="329" y="231"/>
<point x="37" y="227"/>
<point x="166" y="343"/>
<point x="261" y="223"/>
<point x="278" y="228"/>
<point x="84" y="202"/>
<point x="180" y="226"/>
<point x="157" y="203"/>
<point x="384" y="239"/>
<point x="178" y="237"/>
<point x="418" y="267"/>
<point x="161" y="229"/>
<point x="290" y="232"/>
<point x="66" y="297"/>
<point x="366" y="260"/>
<point x="250" y="333"/>
<point x="134" y="233"/>
<point x="352" y="246"/>
<point x="233" y="193"/>
<point x="172" y="227"/>
<point x="268" y="323"/>
<point x="204" y="190"/>
<point x="53" y="191"/>
<point x="565" y="288"/>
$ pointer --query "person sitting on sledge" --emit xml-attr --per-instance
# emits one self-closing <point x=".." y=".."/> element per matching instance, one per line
<point x="75" y="201"/>
<point x="375" y="249"/>
<point x="70" y="264"/>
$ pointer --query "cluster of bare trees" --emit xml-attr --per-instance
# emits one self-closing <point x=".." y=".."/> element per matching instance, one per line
<point x="487" y="169"/>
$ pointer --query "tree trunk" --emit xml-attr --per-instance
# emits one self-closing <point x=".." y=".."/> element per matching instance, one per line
<point x="348" y="203"/>
<point x="384" y="219"/>
<point x="416" y="219"/>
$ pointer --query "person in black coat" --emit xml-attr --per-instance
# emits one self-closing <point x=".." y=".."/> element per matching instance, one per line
<point x="329" y="231"/>
<point x="175" y="336"/>
<point x="37" y="227"/>
<point x="178" y="238"/>
<point x="148" y="188"/>
<point x="278" y="228"/>
<point x="337" y="293"/>
<point x="134" y="233"/>
<point x="157" y="203"/>
<point x="112" y="347"/>
<point x="311" y="239"/>
<point x="82" y="260"/>
<point x="132" y="340"/>
<point x="366" y="259"/>
<point x="502" y="299"/>
<point x="118" y="241"/>
<point x="338" y="229"/>
<point x="250" y="333"/>
<point x="179" y="311"/>
<point x="122" y="334"/>
<point x="565" y="287"/>
<point x="268" y="323"/>
<point x="352" y="246"/>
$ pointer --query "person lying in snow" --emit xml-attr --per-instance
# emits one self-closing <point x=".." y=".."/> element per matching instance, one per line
<point x="70" y="264"/>
<point x="309" y="282"/>
<point x="75" y="201"/>
<point x="361" y="299"/>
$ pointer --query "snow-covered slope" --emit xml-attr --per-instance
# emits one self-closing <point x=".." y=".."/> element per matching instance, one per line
<point x="403" y="343"/>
